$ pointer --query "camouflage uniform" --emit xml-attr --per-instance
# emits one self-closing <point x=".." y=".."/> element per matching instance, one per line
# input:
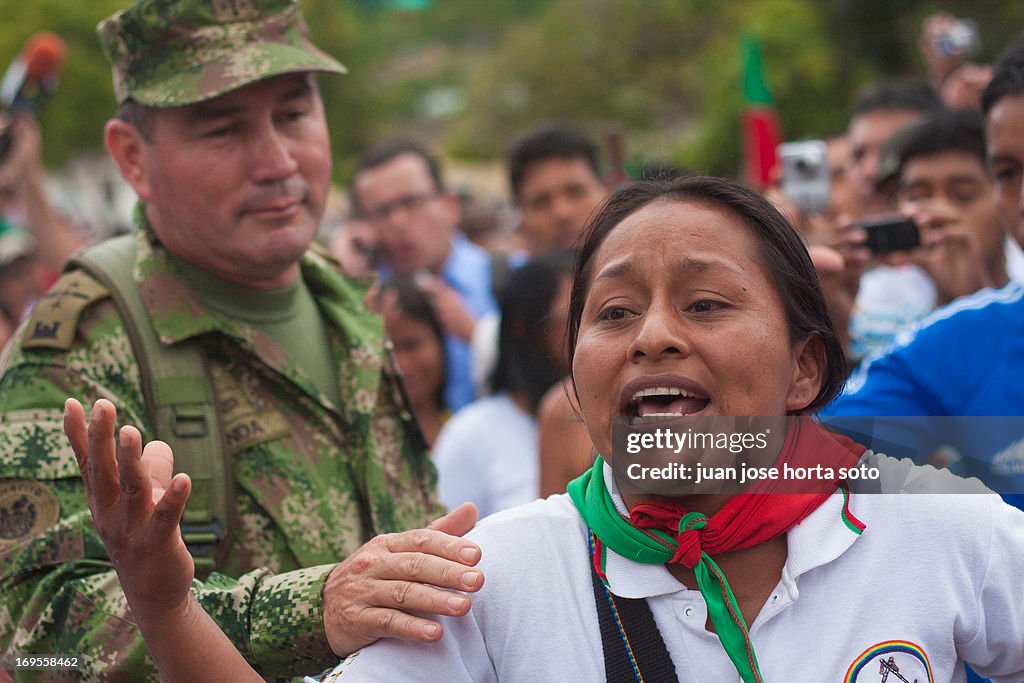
<point x="312" y="481"/>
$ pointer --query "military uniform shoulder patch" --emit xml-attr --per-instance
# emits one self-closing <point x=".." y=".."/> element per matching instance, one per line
<point x="27" y="507"/>
<point x="54" y="320"/>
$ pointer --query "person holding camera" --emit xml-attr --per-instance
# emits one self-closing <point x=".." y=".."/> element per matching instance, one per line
<point x="882" y="298"/>
<point x="949" y="225"/>
<point x="966" y="358"/>
<point x="942" y="185"/>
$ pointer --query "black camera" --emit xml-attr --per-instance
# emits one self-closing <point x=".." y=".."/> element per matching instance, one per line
<point x="891" y="234"/>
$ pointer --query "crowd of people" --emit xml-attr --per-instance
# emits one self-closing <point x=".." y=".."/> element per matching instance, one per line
<point x="220" y="436"/>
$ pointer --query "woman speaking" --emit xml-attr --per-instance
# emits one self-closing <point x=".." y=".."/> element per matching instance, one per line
<point x="693" y="298"/>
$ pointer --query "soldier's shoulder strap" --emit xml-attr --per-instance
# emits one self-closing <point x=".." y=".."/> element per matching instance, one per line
<point x="179" y="400"/>
<point x="54" y="320"/>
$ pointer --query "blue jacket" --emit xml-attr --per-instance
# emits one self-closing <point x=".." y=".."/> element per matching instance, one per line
<point x="956" y="379"/>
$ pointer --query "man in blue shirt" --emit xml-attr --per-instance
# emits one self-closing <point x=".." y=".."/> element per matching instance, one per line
<point x="397" y="187"/>
<point x="955" y="379"/>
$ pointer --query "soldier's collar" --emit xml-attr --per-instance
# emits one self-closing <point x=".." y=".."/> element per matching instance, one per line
<point x="176" y="309"/>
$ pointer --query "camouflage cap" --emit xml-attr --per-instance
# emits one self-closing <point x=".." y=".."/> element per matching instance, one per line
<point x="169" y="53"/>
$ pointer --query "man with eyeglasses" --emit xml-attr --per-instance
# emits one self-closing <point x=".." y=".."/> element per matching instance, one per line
<point x="398" y="188"/>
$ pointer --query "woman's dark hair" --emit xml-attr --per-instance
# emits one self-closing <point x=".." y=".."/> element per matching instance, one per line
<point x="524" y="366"/>
<point x="783" y="254"/>
<point x="414" y="303"/>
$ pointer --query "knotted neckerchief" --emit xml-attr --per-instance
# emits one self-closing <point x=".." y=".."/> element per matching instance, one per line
<point x="659" y="533"/>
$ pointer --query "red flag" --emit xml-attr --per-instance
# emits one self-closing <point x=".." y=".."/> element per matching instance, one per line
<point x="762" y="132"/>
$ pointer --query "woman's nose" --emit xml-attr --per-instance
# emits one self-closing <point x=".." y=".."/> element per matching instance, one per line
<point x="660" y="333"/>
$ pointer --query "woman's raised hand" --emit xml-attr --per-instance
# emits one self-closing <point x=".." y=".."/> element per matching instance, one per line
<point x="136" y="506"/>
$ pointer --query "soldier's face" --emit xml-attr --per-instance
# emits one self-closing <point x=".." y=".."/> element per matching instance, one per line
<point x="237" y="185"/>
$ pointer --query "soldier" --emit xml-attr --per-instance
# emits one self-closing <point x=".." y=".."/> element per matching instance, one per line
<point x="216" y="327"/>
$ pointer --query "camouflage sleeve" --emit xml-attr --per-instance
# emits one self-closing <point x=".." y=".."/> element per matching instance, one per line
<point x="281" y="632"/>
<point x="59" y="592"/>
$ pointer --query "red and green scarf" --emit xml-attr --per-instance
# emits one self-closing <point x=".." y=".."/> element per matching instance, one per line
<point x="660" y="533"/>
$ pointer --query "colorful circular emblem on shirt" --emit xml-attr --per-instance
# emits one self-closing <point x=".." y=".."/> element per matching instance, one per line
<point x="893" y="661"/>
<point x="26" y="508"/>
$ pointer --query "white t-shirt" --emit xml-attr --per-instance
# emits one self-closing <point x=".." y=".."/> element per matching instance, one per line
<point x="1014" y="260"/>
<point x="933" y="580"/>
<point x="487" y="453"/>
<point x="890" y="299"/>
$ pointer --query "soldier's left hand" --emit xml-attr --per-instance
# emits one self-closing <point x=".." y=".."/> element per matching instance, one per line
<point x="370" y="594"/>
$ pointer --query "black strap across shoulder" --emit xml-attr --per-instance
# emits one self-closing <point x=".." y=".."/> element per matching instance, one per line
<point x="638" y="635"/>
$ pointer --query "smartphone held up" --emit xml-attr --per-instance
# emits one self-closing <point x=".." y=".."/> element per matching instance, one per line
<point x="806" y="178"/>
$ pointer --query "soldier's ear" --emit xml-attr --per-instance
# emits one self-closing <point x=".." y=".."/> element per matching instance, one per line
<point x="129" y="150"/>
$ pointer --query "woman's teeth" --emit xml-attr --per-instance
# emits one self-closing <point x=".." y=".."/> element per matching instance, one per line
<point x="663" y="402"/>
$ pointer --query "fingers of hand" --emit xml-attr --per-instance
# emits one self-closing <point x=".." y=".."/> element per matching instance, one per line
<point x="170" y="507"/>
<point x="854" y="237"/>
<point x="457" y="522"/>
<point x="826" y="260"/>
<point x="158" y="461"/>
<point x="419" y="568"/>
<point x="407" y="596"/>
<point x="101" y="462"/>
<point x="136" y="491"/>
<point x="432" y="542"/>
<point x="367" y="596"/>
<point x="77" y="433"/>
<point x="850" y="243"/>
<point x="378" y="622"/>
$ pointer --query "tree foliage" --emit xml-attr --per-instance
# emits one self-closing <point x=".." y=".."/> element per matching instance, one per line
<point x="470" y="76"/>
<point x="73" y="119"/>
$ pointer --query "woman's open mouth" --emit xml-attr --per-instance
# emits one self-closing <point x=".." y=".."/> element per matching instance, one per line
<point x="663" y="402"/>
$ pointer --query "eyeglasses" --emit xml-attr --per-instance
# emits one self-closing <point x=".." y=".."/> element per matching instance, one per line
<point x="409" y="202"/>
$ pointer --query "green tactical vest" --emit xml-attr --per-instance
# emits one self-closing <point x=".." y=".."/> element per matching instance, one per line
<point x="179" y="399"/>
